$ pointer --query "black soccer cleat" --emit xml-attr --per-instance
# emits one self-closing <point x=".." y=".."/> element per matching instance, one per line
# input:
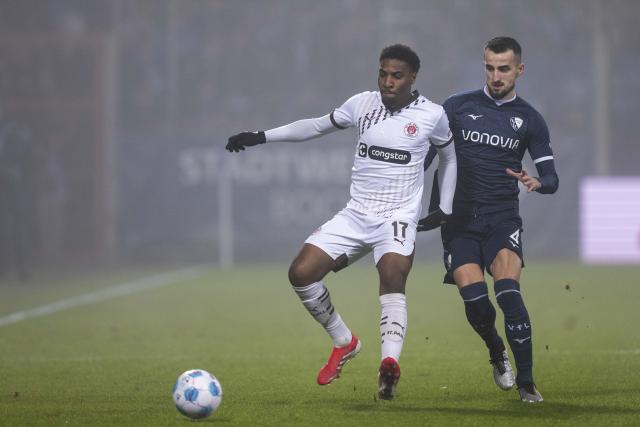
<point x="529" y="393"/>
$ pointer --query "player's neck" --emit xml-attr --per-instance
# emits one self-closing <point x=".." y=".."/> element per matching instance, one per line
<point x="403" y="103"/>
<point x="499" y="102"/>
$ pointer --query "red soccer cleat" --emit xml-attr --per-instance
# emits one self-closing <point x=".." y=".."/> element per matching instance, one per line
<point x="339" y="356"/>
<point x="388" y="377"/>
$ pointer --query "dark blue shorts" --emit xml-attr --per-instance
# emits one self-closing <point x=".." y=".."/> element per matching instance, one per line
<point x="477" y="239"/>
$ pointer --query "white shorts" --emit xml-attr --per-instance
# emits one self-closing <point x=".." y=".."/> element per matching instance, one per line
<point x="354" y="234"/>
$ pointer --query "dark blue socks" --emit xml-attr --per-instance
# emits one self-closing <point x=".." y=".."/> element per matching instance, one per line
<point x="517" y="327"/>
<point x="481" y="315"/>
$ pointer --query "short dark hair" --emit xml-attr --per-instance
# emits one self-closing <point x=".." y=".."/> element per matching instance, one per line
<point x="403" y="53"/>
<point x="503" y="44"/>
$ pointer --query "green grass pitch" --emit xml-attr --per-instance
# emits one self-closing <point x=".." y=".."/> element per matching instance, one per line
<point x="113" y="362"/>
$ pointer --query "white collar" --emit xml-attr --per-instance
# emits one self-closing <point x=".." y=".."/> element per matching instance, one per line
<point x="498" y="102"/>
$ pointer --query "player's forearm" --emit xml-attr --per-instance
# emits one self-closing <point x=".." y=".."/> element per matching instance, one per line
<point x="447" y="175"/>
<point x="301" y="130"/>
<point x="549" y="183"/>
<point x="548" y="178"/>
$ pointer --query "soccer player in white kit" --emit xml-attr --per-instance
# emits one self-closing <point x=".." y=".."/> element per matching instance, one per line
<point x="394" y="128"/>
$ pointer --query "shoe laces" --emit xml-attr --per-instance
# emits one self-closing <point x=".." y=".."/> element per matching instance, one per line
<point x="499" y="362"/>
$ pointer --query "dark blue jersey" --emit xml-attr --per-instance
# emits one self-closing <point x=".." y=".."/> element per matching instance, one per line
<point x="490" y="138"/>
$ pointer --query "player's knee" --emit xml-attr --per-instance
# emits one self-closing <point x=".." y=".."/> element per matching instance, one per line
<point x="467" y="274"/>
<point x="296" y="274"/>
<point x="506" y="265"/>
<point x="393" y="281"/>
<point x="301" y="274"/>
<point x="394" y="265"/>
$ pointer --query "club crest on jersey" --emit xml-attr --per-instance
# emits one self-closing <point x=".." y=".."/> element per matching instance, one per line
<point x="411" y="130"/>
<point x="516" y="123"/>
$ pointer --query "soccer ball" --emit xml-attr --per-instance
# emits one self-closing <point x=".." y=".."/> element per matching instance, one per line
<point x="197" y="394"/>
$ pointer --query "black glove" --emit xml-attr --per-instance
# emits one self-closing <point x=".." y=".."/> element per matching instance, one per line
<point x="245" y="139"/>
<point x="433" y="220"/>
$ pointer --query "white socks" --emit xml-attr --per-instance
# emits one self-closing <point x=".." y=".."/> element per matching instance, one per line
<point x="317" y="300"/>
<point x="393" y="318"/>
<point x="393" y="323"/>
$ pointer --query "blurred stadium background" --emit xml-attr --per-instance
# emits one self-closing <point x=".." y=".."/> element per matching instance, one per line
<point x="114" y="115"/>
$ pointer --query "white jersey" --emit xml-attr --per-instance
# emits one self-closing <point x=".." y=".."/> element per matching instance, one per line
<point x="387" y="178"/>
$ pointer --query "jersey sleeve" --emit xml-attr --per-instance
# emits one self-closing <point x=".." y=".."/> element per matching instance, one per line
<point x="441" y="135"/>
<point x="345" y="115"/>
<point x="447" y="176"/>
<point x="449" y="107"/>
<point x="539" y="142"/>
<point x="540" y="151"/>
<point x="431" y="154"/>
<point x="301" y="130"/>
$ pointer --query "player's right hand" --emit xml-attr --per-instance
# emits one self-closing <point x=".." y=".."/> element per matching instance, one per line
<point x="433" y="220"/>
<point x="532" y="183"/>
<point x="239" y="141"/>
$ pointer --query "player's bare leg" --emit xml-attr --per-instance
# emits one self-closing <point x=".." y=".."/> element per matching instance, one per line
<point x="506" y="269"/>
<point x="482" y="315"/>
<point x="305" y="274"/>
<point x="309" y="266"/>
<point x="393" y="270"/>
<point x="506" y="265"/>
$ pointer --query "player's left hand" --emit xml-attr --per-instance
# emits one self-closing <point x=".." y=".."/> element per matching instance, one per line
<point x="239" y="141"/>
<point x="529" y="181"/>
<point x="433" y="220"/>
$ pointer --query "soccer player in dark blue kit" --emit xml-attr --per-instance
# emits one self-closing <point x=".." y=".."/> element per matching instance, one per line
<point x="492" y="128"/>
